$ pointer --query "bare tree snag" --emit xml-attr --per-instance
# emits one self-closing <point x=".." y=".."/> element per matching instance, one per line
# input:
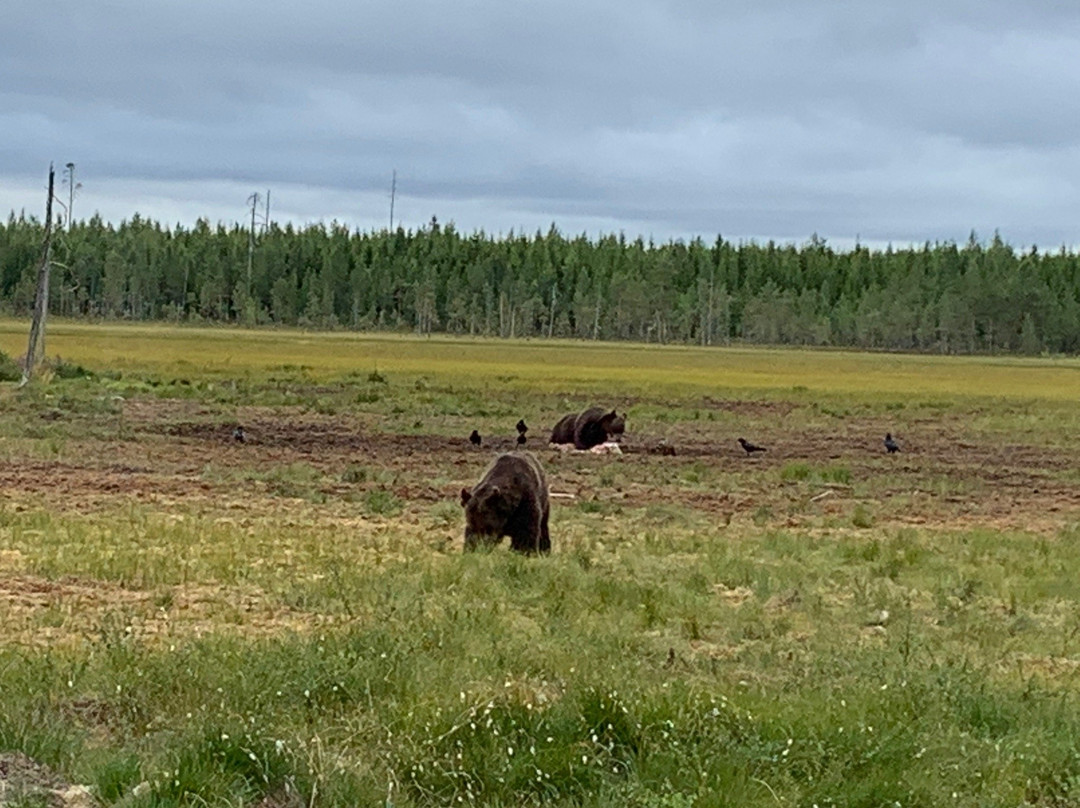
<point x="393" y="194"/>
<point x="36" y="347"/>
<point x="254" y="200"/>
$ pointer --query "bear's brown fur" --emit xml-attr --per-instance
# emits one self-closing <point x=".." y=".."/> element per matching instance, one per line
<point x="589" y="428"/>
<point x="511" y="499"/>
<point x="564" y="430"/>
<point x="594" y="426"/>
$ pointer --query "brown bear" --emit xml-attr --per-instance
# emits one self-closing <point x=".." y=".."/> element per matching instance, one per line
<point x="564" y="430"/>
<point x="594" y="426"/>
<point x="511" y="499"/>
<point x="589" y="428"/>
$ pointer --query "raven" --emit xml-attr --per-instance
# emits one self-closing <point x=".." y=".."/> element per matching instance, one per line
<point x="890" y="444"/>
<point x="474" y="438"/>
<point x="521" y="428"/>
<point x="749" y="447"/>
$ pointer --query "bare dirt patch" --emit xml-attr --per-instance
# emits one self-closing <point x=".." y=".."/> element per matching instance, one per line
<point x="181" y="453"/>
<point x="25" y="781"/>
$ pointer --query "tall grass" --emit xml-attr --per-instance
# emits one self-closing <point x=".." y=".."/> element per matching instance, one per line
<point x="640" y="679"/>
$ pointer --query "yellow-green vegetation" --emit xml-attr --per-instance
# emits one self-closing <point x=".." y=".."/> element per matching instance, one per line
<point x="547" y="365"/>
<point x="188" y="620"/>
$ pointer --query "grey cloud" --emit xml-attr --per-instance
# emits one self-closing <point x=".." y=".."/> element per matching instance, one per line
<point x="899" y="121"/>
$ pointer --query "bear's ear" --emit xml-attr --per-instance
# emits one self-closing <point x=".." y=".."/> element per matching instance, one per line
<point x="466" y="495"/>
<point x="614" y="414"/>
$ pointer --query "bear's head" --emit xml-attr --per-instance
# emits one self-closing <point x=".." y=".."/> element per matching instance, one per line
<point x="613" y="424"/>
<point x="486" y="512"/>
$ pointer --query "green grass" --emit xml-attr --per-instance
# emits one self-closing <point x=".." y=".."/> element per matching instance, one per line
<point x="799" y="471"/>
<point x="188" y="353"/>
<point x="630" y="677"/>
<point x="293" y="622"/>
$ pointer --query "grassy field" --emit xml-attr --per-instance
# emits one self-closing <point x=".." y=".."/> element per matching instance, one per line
<point x="547" y="366"/>
<point x="291" y="621"/>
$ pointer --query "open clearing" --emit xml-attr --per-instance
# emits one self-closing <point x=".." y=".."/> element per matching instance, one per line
<point x="183" y="453"/>
<point x="291" y="621"/>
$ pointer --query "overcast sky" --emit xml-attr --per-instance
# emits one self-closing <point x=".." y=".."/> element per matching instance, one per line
<point x="887" y="121"/>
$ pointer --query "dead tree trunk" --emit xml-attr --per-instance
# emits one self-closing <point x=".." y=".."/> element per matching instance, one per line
<point x="551" y="314"/>
<point x="254" y="200"/>
<point x="36" y="346"/>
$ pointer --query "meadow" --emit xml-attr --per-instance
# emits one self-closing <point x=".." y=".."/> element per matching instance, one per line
<point x="291" y="621"/>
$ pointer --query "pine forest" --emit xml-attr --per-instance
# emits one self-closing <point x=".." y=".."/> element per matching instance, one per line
<point x="976" y="297"/>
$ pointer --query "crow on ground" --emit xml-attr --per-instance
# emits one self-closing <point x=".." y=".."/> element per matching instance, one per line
<point x="238" y="434"/>
<point x="521" y="439"/>
<point x="749" y="447"/>
<point x="474" y="438"/>
<point x="890" y="444"/>
<point x="521" y="428"/>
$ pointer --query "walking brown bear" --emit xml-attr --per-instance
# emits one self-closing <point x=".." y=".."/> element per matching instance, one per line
<point x="588" y="428"/>
<point x="511" y="499"/>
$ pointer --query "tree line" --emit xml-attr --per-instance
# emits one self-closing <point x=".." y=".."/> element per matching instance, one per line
<point x="942" y="297"/>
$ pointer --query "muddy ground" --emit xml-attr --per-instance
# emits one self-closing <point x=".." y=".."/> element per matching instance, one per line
<point x="179" y="458"/>
<point x="169" y="452"/>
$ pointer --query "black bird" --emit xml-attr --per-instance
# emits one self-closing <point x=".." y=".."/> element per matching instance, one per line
<point x="890" y="444"/>
<point x="521" y="439"/>
<point x="474" y="438"/>
<point x="521" y="428"/>
<point x="238" y="434"/>
<point x="749" y="447"/>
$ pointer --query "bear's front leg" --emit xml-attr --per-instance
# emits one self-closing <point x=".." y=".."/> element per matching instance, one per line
<point x="528" y="534"/>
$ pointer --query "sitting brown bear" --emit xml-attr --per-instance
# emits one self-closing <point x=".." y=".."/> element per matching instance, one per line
<point x="511" y="499"/>
<point x="589" y="428"/>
